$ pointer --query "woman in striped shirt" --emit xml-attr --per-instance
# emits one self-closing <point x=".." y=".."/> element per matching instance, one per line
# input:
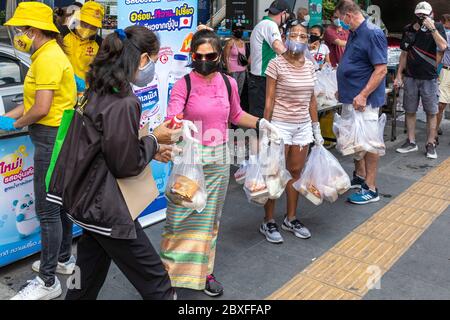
<point x="292" y="108"/>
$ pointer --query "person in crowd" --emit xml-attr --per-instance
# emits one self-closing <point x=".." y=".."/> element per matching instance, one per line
<point x="110" y="122"/>
<point x="291" y="107"/>
<point x="265" y="44"/>
<point x="49" y="89"/>
<point x="444" y="76"/>
<point x="361" y="78"/>
<point x="233" y="48"/>
<point x="189" y="239"/>
<point x="336" y="39"/>
<point x="81" y="40"/>
<point x="303" y="16"/>
<point x="417" y="73"/>
<point x="319" y="50"/>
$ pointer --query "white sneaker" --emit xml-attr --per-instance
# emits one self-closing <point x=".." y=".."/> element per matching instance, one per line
<point x="36" y="290"/>
<point x="62" y="268"/>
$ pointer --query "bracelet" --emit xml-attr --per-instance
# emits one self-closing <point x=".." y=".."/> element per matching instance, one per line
<point x="257" y="124"/>
<point x="433" y="30"/>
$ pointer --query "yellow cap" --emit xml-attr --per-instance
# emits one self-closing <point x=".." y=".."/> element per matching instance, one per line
<point x="33" y="14"/>
<point x="92" y="12"/>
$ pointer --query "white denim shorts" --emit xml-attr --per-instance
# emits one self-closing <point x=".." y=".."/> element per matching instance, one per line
<point x="295" y="134"/>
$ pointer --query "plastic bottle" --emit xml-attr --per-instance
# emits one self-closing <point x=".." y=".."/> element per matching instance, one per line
<point x="176" y="122"/>
<point x="177" y="72"/>
<point x="151" y="104"/>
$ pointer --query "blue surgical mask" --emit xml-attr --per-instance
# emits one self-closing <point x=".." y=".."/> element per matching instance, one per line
<point x="296" y="47"/>
<point x="344" y="25"/>
<point x="337" y="22"/>
<point x="145" y="75"/>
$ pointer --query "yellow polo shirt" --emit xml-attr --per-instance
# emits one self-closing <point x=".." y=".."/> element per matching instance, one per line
<point x="80" y="52"/>
<point x="50" y="70"/>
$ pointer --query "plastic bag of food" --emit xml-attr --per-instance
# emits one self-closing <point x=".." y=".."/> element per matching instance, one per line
<point x="239" y="175"/>
<point x="186" y="185"/>
<point x="273" y="164"/>
<point x="326" y="87"/>
<point x="322" y="178"/>
<point x="346" y="132"/>
<point x="255" y="186"/>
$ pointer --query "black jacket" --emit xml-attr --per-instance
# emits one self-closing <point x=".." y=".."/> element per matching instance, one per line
<point x="102" y="144"/>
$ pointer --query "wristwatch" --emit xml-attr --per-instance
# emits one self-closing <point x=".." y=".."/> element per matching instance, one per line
<point x="433" y="30"/>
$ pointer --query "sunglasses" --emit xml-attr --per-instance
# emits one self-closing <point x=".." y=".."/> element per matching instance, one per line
<point x="208" y="56"/>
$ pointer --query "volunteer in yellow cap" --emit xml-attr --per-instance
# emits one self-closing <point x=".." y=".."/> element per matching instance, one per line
<point x="49" y="89"/>
<point x="81" y="40"/>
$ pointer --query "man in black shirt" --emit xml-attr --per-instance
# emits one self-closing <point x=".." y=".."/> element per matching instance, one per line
<point x="417" y="72"/>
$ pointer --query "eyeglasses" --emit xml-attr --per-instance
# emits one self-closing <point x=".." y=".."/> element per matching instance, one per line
<point x="212" y="56"/>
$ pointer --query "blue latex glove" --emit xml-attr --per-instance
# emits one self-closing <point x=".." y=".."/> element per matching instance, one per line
<point x="7" y="124"/>
<point x="81" y="84"/>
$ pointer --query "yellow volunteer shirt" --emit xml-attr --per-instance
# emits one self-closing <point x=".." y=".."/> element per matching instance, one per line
<point x="80" y="52"/>
<point x="50" y="70"/>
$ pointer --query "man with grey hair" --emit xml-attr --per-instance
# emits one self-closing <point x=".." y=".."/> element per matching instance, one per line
<point x="303" y="16"/>
<point x="361" y="77"/>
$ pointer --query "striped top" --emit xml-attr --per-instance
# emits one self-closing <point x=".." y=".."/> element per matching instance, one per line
<point x="294" y="88"/>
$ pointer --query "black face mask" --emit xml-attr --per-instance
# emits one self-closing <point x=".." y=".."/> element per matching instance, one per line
<point x="205" y="68"/>
<point x="238" y="34"/>
<point x="313" y="38"/>
<point x="420" y="20"/>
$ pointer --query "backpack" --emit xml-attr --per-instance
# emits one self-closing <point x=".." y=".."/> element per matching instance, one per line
<point x="187" y="78"/>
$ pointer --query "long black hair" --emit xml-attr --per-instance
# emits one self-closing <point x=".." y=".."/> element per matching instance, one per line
<point x="118" y="59"/>
<point x="206" y="36"/>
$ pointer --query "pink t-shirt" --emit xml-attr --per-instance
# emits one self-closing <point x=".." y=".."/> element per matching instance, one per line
<point x="208" y="107"/>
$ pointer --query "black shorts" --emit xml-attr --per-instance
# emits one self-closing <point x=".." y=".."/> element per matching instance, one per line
<point x="256" y="95"/>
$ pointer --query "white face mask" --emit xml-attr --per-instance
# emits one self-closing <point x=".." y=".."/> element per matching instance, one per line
<point x="307" y="18"/>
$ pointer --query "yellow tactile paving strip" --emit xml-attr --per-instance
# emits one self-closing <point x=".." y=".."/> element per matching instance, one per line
<point x="347" y="270"/>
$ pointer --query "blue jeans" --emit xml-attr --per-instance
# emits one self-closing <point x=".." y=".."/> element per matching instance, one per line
<point x="56" y="228"/>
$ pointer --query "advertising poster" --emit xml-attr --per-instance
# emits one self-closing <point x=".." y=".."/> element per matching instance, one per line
<point x="19" y="225"/>
<point x="315" y="11"/>
<point x="175" y="22"/>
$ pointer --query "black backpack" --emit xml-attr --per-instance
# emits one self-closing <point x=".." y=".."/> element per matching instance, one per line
<point x="187" y="78"/>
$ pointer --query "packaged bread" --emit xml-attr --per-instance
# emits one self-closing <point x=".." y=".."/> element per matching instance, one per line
<point x="312" y="194"/>
<point x="329" y="194"/>
<point x="184" y="188"/>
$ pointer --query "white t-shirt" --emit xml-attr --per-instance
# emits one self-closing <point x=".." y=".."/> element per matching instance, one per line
<point x="320" y="53"/>
<point x="261" y="51"/>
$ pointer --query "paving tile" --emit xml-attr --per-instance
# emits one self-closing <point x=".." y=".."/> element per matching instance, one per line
<point x="421" y="202"/>
<point x="405" y="215"/>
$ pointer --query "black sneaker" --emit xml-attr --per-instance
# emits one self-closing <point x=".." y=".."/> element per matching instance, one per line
<point x="407" y="147"/>
<point x="357" y="182"/>
<point x="213" y="287"/>
<point x="431" y="151"/>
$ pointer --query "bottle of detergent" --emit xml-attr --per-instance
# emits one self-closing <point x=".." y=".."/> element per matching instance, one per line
<point x="177" y="71"/>
<point x="150" y="102"/>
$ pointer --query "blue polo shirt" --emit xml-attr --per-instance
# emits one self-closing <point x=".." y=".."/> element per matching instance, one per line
<point x="366" y="47"/>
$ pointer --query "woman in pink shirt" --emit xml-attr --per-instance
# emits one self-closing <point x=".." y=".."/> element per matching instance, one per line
<point x="189" y="238"/>
<point x="233" y="48"/>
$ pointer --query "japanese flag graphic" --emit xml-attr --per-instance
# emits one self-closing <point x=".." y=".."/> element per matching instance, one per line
<point x="185" y="22"/>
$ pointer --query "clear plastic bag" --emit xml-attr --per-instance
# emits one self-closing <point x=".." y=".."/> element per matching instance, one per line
<point x="326" y="87"/>
<point x="322" y="178"/>
<point x="346" y="132"/>
<point x="239" y="175"/>
<point x="255" y="186"/>
<point x="186" y="185"/>
<point x="273" y="164"/>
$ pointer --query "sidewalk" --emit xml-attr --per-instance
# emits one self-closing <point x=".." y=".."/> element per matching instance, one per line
<point x="251" y="268"/>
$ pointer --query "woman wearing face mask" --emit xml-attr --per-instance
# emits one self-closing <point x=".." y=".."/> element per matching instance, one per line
<point x="105" y="136"/>
<point x="81" y="42"/>
<point x="233" y="48"/>
<point x="319" y="50"/>
<point x="49" y="89"/>
<point x="336" y="39"/>
<point x="189" y="238"/>
<point x="291" y="107"/>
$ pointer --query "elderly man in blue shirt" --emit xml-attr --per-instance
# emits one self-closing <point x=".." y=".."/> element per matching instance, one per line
<point x="361" y="79"/>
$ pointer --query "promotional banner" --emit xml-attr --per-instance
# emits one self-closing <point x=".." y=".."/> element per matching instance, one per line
<point x="19" y="225"/>
<point x="174" y="22"/>
<point x="315" y="12"/>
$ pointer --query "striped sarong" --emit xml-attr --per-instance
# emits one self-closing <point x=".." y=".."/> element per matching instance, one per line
<point x="189" y="238"/>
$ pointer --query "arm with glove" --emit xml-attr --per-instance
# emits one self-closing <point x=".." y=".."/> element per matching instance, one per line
<point x="318" y="139"/>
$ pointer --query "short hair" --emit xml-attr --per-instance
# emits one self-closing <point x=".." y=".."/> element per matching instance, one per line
<point x="318" y="26"/>
<point x="347" y="6"/>
<point x="445" y="17"/>
<point x="300" y="10"/>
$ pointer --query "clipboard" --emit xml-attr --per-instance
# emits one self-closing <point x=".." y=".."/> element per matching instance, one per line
<point x="139" y="191"/>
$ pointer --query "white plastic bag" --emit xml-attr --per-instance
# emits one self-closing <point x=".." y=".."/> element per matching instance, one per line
<point x="346" y="132"/>
<point x="239" y="175"/>
<point x="186" y="185"/>
<point x="326" y="87"/>
<point x="255" y="186"/>
<point x="273" y="163"/>
<point x="322" y="178"/>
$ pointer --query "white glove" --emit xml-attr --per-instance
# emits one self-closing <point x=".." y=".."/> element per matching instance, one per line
<point x="188" y="127"/>
<point x="272" y="131"/>
<point x="318" y="139"/>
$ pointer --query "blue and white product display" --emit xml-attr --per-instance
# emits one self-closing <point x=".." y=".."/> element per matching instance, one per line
<point x="179" y="70"/>
<point x="151" y="103"/>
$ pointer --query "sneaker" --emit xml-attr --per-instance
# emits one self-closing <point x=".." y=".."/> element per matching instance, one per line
<point x="407" y="147"/>
<point x="62" y="267"/>
<point x="364" y="196"/>
<point x="431" y="151"/>
<point x="357" y="182"/>
<point x="213" y="287"/>
<point x="270" y="230"/>
<point x="297" y="228"/>
<point x="36" y="290"/>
